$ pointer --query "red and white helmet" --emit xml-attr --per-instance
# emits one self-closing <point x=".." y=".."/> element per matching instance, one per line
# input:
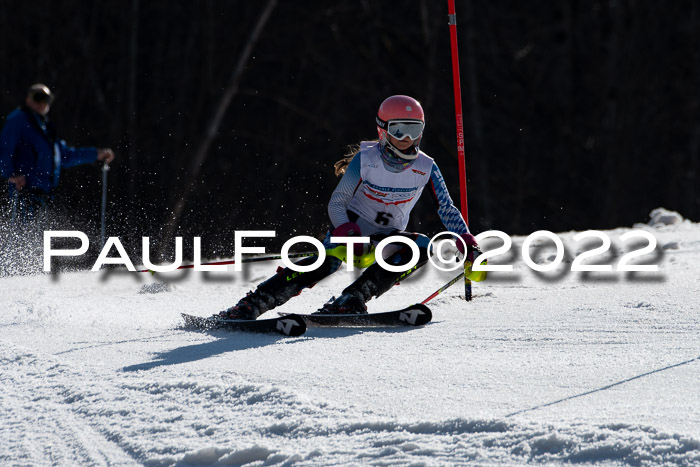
<point x="401" y="117"/>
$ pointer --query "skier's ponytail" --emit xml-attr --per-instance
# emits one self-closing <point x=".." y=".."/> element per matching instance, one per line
<point x="342" y="165"/>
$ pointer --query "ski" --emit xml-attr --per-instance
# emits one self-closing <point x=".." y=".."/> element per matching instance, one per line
<point x="414" y="315"/>
<point x="288" y="325"/>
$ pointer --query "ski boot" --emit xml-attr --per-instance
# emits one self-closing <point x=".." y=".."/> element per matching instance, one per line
<point x="351" y="302"/>
<point x="245" y="309"/>
<point x="278" y="290"/>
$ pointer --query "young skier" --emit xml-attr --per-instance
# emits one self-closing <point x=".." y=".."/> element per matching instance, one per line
<point x="381" y="184"/>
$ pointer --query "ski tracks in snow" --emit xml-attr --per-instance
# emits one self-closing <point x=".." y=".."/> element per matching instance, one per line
<point x="592" y="371"/>
<point x="41" y="425"/>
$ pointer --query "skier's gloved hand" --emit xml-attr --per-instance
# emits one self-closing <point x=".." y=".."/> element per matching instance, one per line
<point x="472" y="247"/>
<point x="350" y="229"/>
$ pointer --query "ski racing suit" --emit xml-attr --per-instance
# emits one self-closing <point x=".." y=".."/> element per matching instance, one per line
<point x="379" y="201"/>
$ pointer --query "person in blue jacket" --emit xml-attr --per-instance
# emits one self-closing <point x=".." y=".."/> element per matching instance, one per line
<point x="32" y="156"/>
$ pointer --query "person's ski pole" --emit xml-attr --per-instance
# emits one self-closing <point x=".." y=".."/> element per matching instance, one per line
<point x="443" y="288"/>
<point x="337" y="252"/>
<point x="103" y="217"/>
<point x="476" y="276"/>
<point x="14" y="215"/>
<point x="246" y="260"/>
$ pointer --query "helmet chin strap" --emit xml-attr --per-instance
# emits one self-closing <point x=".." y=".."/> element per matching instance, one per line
<point x="411" y="154"/>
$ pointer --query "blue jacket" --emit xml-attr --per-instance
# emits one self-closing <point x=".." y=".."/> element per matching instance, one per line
<point x="29" y="147"/>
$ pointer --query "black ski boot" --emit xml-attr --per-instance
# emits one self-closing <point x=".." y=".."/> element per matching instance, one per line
<point x="244" y="309"/>
<point x="350" y="303"/>
<point x="278" y="289"/>
<point x="372" y="283"/>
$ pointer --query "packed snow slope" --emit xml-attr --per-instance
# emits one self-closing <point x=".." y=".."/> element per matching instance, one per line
<point x="555" y="367"/>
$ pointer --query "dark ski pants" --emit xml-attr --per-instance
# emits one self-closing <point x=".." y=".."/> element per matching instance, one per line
<point x="373" y="282"/>
<point x="28" y="205"/>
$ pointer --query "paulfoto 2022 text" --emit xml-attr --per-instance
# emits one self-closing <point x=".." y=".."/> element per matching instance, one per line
<point x="436" y="247"/>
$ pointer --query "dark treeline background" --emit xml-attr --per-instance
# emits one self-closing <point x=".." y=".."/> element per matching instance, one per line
<point x="578" y="114"/>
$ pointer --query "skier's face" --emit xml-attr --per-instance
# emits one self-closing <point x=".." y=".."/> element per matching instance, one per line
<point x="42" y="108"/>
<point x="400" y="144"/>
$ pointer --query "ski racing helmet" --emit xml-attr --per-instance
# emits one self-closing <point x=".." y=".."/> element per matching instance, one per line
<point x="400" y="116"/>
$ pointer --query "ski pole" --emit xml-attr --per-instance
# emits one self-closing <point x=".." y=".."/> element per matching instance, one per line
<point x="339" y="252"/>
<point x="245" y="260"/>
<point x="443" y="288"/>
<point x="15" y="206"/>
<point x="103" y="217"/>
<point x="477" y="276"/>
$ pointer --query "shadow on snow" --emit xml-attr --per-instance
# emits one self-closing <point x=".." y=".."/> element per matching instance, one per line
<point x="231" y="341"/>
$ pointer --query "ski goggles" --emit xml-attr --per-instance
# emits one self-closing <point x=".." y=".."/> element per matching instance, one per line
<point x="400" y="129"/>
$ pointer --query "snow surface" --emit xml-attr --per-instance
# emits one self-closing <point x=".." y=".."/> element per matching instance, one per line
<point x="549" y="368"/>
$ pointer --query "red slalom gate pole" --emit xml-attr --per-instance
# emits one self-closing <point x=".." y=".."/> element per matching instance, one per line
<point x="452" y="16"/>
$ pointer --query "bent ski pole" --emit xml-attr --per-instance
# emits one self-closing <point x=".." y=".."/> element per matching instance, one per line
<point x="339" y="252"/>
<point x="443" y="288"/>
<point x="468" y="274"/>
<point x="244" y="260"/>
